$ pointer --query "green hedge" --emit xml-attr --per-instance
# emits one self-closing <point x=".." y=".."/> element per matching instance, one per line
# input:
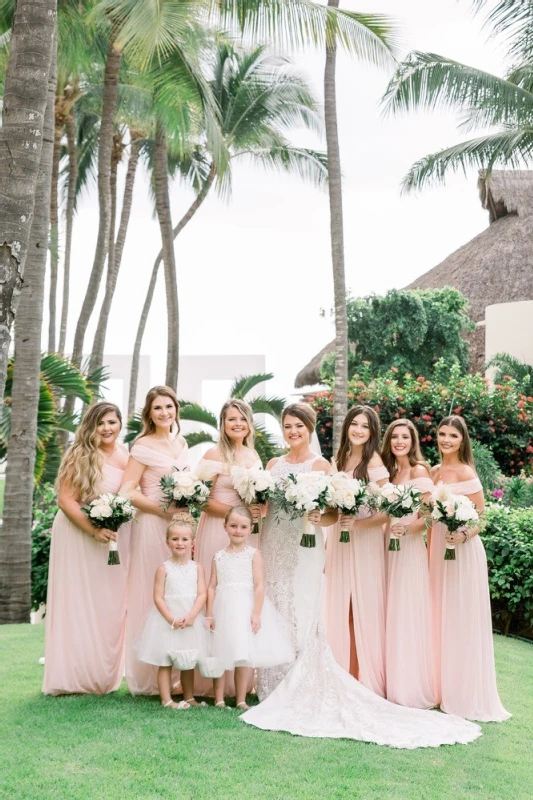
<point x="44" y="511"/>
<point x="500" y="417"/>
<point x="508" y="540"/>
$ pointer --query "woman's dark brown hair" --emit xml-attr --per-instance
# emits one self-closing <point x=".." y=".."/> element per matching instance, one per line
<point x="148" y="428"/>
<point x="414" y="455"/>
<point x="466" y="456"/>
<point x="369" y="448"/>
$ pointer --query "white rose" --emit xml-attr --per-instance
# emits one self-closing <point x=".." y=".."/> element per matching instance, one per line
<point x="105" y="510"/>
<point x="407" y="502"/>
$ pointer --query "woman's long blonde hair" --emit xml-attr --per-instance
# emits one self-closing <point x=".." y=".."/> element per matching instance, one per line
<point x="414" y="455"/>
<point x="226" y="445"/>
<point x="81" y="467"/>
<point x="148" y="428"/>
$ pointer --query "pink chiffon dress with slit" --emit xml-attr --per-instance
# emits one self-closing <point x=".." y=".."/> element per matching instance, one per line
<point x="408" y="661"/>
<point x="85" y="607"/>
<point x="148" y="551"/>
<point x="463" y="649"/>
<point x="355" y="576"/>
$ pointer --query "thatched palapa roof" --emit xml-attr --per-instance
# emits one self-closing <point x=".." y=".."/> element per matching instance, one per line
<point x="494" y="267"/>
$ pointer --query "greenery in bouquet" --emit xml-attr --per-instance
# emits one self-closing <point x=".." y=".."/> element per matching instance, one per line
<point x="110" y="511"/>
<point x="297" y="495"/>
<point x="398" y="502"/>
<point x="253" y="485"/>
<point x="185" y="489"/>
<point x="348" y="495"/>
<point x="454" y="511"/>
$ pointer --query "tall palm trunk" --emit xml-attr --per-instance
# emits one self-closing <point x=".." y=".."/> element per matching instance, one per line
<point x="162" y="202"/>
<point x="105" y="148"/>
<point x="21" y="135"/>
<point x="340" y="403"/>
<point x="193" y="208"/>
<point x="15" y="541"/>
<point x="54" y="232"/>
<point x="114" y="263"/>
<point x="69" y="223"/>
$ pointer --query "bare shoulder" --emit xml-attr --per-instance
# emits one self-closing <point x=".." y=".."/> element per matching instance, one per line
<point x="434" y="470"/>
<point x="465" y="473"/>
<point x="213" y="454"/>
<point x="182" y="440"/>
<point x="375" y="460"/>
<point x="321" y="465"/>
<point x="419" y="471"/>
<point x="272" y="462"/>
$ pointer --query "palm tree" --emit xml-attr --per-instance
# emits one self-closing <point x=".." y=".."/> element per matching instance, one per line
<point x="19" y="425"/>
<point x="505" y="105"/>
<point x="260" y="99"/>
<point x="241" y="388"/>
<point x="506" y="364"/>
<point x="21" y="136"/>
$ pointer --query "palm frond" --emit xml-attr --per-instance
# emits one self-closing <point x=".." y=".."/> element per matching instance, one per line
<point x="245" y="383"/>
<point x="96" y="380"/>
<point x="506" y="364"/>
<point x="296" y="24"/>
<point x="309" y="165"/>
<point x="515" y="21"/>
<point x="194" y="412"/>
<point x="133" y="427"/>
<point x="268" y="405"/>
<point x="426" y="81"/>
<point x="199" y="437"/>
<point x="512" y="149"/>
<point x="64" y="378"/>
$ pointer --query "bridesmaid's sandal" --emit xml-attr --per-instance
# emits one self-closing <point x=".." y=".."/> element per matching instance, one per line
<point x="221" y="704"/>
<point x="244" y="706"/>
<point x="192" y="702"/>
<point x="181" y="706"/>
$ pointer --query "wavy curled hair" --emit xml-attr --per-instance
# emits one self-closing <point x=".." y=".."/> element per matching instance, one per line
<point x="224" y="442"/>
<point x="182" y="519"/>
<point x="466" y="456"/>
<point x="81" y="467"/>
<point x="414" y="455"/>
<point x="148" y="425"/>
<point x="369" y="448"/>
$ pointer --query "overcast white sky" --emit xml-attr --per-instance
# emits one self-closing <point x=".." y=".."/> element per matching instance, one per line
<point x="254" y="274"/>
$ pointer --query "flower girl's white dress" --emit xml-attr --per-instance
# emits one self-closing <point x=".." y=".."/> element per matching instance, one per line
<point x="235" y="644"/>
<point x="158" y="639"/>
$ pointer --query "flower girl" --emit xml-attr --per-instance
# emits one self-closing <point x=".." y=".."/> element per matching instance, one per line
<point x="174" y="632"/>
<point x="249" y="632"/>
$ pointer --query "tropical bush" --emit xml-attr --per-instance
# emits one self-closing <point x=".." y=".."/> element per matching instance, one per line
<point x="500" y="417"/>
<point x="44" y="511"/>
<point x="508" y="540"/>
<point x="408" y="330"/>
<point x="516" y="491"/>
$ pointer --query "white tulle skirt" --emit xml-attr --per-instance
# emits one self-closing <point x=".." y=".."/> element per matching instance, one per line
<point x="235" y="644"/>
<point x="159" y="644"/>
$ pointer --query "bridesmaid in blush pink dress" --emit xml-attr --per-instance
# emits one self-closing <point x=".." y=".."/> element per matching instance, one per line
<point x="157" y="452"/>
<point x="408" y="655"/>
<point x="86" y="601"/>
<point x="235" y="448"/>
<point x="355" y="571"/>
<point x="465" y="674"/>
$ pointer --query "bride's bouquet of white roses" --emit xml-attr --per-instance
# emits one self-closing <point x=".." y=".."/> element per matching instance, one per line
<point x="348" y="495"/>
<point x="454" y="511"/>
<point x="296" y="495"/>
<point x="398" y="502"/>
<point x="253" y="485"/>
<point x="184" y="489"/>
<point x="110" y="511"/>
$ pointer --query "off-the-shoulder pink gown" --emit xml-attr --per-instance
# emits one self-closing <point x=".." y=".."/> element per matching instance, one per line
<point x="408" y="662"/>
<point x="148" y="551"/>
<point x="210" y="538"/>
<point x="85" y="607"/>
<point x="465" y="675"/>
<point x="355" y="574"/>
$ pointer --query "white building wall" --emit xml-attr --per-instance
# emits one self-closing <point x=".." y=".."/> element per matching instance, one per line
<point x="509" y="329"/>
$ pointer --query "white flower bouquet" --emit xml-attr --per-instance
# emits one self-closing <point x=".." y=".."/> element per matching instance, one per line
<point x="348" y="495"/>
<point x="110" y="511"/>
<point x="184" y="489"/>
<point x="299" y="494"/>
<point x="398" y="502"/>
<point x="253" y="485"/>
<point x="454" y="511"/>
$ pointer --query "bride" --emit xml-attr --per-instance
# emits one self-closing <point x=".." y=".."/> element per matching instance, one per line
<point x="314" y="696"/>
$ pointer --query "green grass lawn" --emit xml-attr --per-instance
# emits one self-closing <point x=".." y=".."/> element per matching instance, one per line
<point x="122" y="747"/>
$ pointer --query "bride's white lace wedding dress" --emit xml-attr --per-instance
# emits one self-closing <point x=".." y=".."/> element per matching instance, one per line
<point x="314" y="696"/>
